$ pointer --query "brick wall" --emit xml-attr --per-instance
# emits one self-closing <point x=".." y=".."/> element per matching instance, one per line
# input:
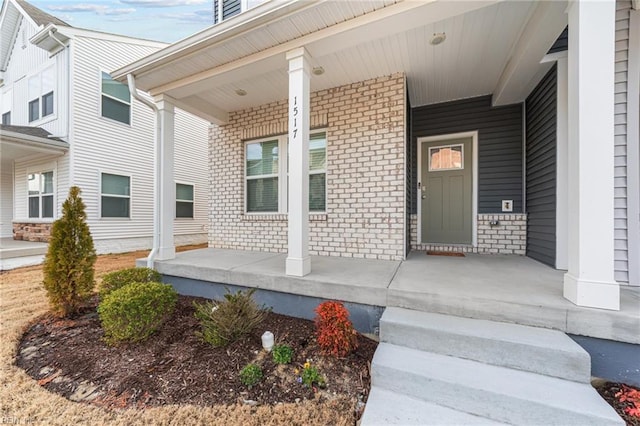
<point x="509" y="236"/>
<point x="365" y="125"/>
<point x="35" y="232"/>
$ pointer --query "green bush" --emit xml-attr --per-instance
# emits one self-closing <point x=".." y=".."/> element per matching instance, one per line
<point x="69" y="263"/>
<point x="119" y="279"/>
<point x="132" y="313"/>
<point x="311" y="375"/>
<point x="224" y="322"/>
<point x="282" y="354"/>
<point x="250" y="375"/>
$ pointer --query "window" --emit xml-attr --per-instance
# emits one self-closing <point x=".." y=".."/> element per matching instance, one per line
<point x="40" y="186"/>
<point x="184" y="200"/>
<point x="34" y="110"/>
<point x="115" y="195"/>
<point x="116" y="100"/>
<point x="448" y="157"/>
<point x="41" y="87"/>
<point x="266" y="175"/>
<point x="6" y="118"/>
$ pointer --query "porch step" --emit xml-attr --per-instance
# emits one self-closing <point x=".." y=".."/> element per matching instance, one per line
<point x="385" y="407"/>
<point x="538" y="350"/>
<point x="497" y="393"/>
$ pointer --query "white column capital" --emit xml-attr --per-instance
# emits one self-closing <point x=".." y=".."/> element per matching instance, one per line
<point x="164" y="103"/>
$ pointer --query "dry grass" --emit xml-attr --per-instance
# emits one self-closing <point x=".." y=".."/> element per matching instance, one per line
<point x="22" y="400"/>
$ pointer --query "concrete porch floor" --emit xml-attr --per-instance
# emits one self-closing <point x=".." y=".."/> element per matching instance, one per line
<point x="15" y="254"/>
<point x="503" y="288"/>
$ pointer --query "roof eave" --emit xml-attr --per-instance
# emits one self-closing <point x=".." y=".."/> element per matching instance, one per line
<point x="232" y="27"/>
<point x="43" y="144"/>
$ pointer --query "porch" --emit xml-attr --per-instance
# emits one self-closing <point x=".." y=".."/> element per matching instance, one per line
<point x="15" y="254"/>
<point x="511" y="289"/>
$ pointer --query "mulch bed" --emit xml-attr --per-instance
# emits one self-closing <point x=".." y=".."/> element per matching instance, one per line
<point x="175" y="366"/>
<point x="608" y="391"/>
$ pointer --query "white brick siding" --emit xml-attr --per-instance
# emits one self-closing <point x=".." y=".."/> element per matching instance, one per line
<point x="365" y="174"/>
<point x="509" y="236"/>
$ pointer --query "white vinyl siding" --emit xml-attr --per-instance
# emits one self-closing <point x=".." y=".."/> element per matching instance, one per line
<point x="103" y="145"/>
<point x="620" y="160"/>
<point x="23" y="169"/>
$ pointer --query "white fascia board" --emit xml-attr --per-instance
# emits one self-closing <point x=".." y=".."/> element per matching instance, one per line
<point x="200" y="108"/>
<point x="24" y="14"/>
<point x="35" y="142"/>
<point x="72" y="32"/>
<point x="523" y="71"/>
<point x="261" y="15"/>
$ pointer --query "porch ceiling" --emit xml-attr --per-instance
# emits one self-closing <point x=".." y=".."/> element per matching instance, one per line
<point x="491" y="47"/>
<point x="20" y="145"/>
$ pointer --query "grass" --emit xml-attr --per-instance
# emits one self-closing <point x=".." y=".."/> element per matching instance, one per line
<point x="22" y="400"/>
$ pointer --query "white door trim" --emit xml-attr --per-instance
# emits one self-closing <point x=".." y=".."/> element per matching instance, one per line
<point x="474" y="174"/>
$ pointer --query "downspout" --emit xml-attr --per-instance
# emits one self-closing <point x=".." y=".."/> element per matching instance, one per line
<point x="156" y="178"/>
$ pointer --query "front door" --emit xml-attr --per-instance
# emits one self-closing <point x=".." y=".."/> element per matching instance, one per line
<point x="445" y="191"/>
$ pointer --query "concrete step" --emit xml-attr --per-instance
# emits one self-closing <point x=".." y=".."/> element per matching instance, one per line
<point x="497" y="393"/>
<point x="390" y="408"/>
<point x="538" y="350"/>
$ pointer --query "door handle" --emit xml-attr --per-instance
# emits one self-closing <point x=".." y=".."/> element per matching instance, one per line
<point x="424" y="197"/>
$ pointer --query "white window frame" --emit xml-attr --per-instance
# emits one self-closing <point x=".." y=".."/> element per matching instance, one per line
<point x="49" y="168"/>
<point x="100" y="195"/>
<point x="41" y="94"/>
<point x="101" y="94"/>
<point x="283" y="175"/>
<point x="185" y="201"/>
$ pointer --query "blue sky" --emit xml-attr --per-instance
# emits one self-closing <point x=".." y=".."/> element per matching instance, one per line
<point x="162" y="20"/>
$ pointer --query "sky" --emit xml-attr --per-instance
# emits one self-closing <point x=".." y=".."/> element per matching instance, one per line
<point x="161" y="20"/>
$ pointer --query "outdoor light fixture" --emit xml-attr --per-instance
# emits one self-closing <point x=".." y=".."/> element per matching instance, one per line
<point x="267" y="341"/>
<point x="438" y="38"/>
<point x="241" y="92"/>
<point x="317" y="70"/>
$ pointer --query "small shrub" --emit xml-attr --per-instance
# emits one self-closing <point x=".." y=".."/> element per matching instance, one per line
<point x="132" y="313"/>
<point x="311" y="376"/>
<point x="335" y="332"/>
<point x="250" y="375"/>
<point x="282" y="354"/>
<point x="119" y="279"/>
<point x="224" y="322"/>
<point x="69" y="264"/>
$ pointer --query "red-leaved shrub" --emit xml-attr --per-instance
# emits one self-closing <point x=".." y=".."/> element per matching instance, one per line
<point x="335" y="332"/>
<point x="631" y="398"/>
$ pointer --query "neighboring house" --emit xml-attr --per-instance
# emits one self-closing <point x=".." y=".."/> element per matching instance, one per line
<point x="66" y="122"/>
<point x="459" y="126"/>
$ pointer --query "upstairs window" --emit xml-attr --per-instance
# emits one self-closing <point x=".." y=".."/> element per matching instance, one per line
<point x="6" y="118"/>
<point x="115" y="100"/>
<point x="41" y="93"/>
<point x="40" y="186"/>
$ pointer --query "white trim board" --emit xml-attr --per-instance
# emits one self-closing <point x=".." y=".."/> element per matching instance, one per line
<point x="474" y="173"/>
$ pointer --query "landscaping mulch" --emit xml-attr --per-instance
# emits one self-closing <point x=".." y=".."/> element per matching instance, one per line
<point x="608" y="391"/>
<point x="175" y="366"/>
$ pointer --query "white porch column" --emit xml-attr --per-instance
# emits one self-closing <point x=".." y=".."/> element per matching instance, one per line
<point x="298" y="261"/>
<point x="590" y="277"/>
<point x="166" y="190"/>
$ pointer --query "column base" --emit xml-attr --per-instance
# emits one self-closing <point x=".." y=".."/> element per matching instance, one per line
<point x="166" y="253"/>
<point x="592" y="294"/>
<point x="298" y="267"/>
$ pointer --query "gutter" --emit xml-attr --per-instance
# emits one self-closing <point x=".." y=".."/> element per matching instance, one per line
<point x="156" y="161"/>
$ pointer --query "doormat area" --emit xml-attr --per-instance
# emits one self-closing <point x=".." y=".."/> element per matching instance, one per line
<point x="444" y="253"/>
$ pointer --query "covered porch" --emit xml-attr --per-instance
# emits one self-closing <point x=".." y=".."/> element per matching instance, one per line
<point x="505" y="288"/>
<point x="282" y="69"/>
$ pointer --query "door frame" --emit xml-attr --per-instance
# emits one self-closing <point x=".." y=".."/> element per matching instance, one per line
<point x="474" y="176"/>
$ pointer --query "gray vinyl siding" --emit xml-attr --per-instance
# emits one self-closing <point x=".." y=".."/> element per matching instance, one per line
<point x="621" y="255"/>
<point x="541" y="143"/>
<point x="499" y="146"/>
<point x="561" y="43"/>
